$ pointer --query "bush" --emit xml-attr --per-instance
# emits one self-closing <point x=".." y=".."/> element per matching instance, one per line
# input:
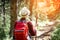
<point x="56" y="33"/>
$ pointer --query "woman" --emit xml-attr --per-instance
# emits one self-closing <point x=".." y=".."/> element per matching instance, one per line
<point x="24" y="12"/>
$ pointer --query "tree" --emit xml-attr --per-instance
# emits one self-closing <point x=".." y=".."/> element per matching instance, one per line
<point x="30" y="7"/>
<point x="2" y="32"/>
<point x="13" y="15"/>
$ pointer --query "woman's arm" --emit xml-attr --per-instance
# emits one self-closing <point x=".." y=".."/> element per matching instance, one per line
<point x="32" y="31"/>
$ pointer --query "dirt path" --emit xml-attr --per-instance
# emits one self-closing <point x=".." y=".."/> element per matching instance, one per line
<point x="44" y="33"/>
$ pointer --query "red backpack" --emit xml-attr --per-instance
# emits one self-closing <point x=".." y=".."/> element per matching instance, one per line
<point x="20" y="31"/>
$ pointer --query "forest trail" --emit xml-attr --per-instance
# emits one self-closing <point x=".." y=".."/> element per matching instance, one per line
<point x="44" y="33"/>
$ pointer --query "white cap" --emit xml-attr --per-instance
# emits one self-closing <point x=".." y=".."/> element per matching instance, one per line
<point x="24" y="11"/>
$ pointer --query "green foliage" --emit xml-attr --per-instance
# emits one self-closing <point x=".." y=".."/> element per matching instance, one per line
<point x="56" y="33"/>
<point x="2" y="34"/>
<point x="58" y="26"/>
<point x="4" y="28"/>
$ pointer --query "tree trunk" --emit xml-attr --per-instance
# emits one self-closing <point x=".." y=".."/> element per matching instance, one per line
<point x="13" y="15"/>
<point x="31" y="5"/>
